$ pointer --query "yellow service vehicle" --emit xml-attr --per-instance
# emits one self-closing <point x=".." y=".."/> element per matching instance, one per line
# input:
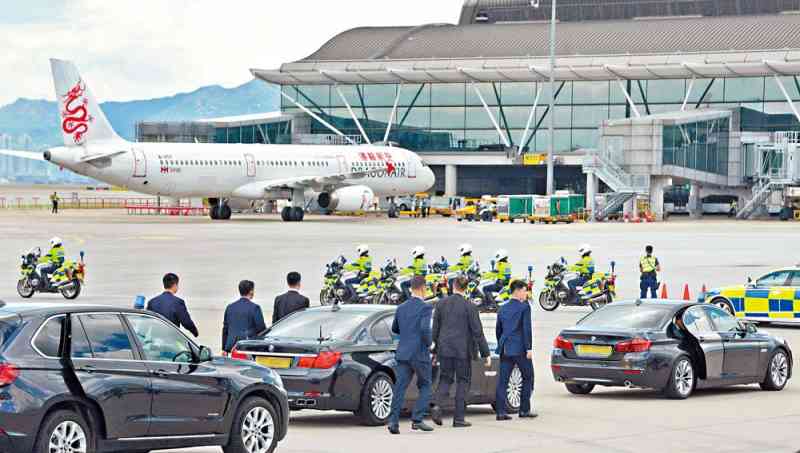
<point x="470" y="210"/>
<point x="775" y="297"/>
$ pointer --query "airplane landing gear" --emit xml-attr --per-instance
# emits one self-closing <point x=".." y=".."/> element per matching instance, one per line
<point x="219" y="210"/>
<point x="290" y="214"/>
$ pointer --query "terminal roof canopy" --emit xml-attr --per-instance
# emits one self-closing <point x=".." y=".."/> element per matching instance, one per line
<point x="682" y="47"/>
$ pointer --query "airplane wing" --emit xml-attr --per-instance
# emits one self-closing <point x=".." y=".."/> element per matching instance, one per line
<point x="22" y="154"/>
<point x="257" y="190"/>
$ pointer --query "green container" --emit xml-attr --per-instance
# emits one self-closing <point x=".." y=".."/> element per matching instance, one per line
<point x="577" y="203"/>
<point x="559" y="205"/>
<point x="520" y="206"/>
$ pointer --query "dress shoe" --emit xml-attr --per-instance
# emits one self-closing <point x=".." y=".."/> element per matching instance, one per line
<point x="461" y="424"/>
<point x="421" y="426"/>
<point x="531" y="414"/>
<point x="436" y="415"/>
<point x="504" y="417"/>
<point x="394" y="429"/>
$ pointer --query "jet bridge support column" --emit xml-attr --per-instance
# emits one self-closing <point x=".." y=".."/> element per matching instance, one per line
<point x="657" y="186"/>
<point x="450" y="180"/>
<point x="695" y="205"/>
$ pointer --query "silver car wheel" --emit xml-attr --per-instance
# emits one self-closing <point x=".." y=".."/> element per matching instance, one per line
<point x="258" y="430"/>
<point x="68" y="437"/>
<point x="779" y="369"/>
<point x="514" y="392"/>
<point x="684" y="377"/>
<point x="381" y="398"/>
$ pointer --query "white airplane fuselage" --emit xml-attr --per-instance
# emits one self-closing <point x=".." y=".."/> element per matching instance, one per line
<point x="218" y="170"/>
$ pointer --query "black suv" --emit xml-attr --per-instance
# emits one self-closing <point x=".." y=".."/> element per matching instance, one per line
<point x="77" y="379"/>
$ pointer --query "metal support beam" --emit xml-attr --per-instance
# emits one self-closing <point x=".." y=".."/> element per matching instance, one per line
<point x="314" y="115"/>
<point x="363" y="104"/>
<point x="788" y="98"/>
<point x="393" y="114"/>
<point x="353" y="115"/>
<point x="544" y="115"/>
<point x="522" y="140"/>
<point x="502" y="114"/>
<point x="628" y="97"/>
<point x="688" y="93"/>
<point x="411" y="106"/>
<point x="489" y="114"/>
<point x="705" y="93"/>
<point x="644" y="96"/>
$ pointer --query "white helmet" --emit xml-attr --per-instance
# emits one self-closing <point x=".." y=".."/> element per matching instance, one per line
<point x="362" y="249"/>
<point x="418" y="251"/>
<point x="55" y="241"/>
<point x="465" y="249"/>
<point x="585" y="248"/>
<point x="501" y="255"/>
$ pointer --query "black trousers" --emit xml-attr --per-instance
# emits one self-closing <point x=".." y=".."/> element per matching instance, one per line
<point x="459" y="371"/>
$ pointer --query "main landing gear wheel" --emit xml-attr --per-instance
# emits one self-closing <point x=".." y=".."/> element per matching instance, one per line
<point x="290" y="214"/>
<point x="220" y="211"/>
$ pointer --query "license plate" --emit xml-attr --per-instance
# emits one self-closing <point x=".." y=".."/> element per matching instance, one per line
<point x="588" y="350"/>
<point x="274" y="362"/>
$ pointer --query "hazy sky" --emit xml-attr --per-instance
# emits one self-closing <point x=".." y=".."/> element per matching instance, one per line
<point x="149" y="48"/>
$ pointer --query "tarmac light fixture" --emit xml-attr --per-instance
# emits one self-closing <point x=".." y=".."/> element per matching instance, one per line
<point x="353" y="115"/>
<point x="315" y="116"/>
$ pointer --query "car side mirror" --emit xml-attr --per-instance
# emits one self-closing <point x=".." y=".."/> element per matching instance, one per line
<point x="205" y="354"/>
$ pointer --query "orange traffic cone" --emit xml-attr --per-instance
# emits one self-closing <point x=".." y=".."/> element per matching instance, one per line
<point x="664" y="291"/>
<point x="686" y="295"/>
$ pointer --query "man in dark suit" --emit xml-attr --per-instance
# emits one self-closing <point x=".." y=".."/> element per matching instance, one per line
<point x="412" y="322"/>
<point x="243" y="318"/>
<point x="168" y="305"/>
<point x="457" y="338"/>
<point x="290" y="301"/>
<point x="514" y="330"/>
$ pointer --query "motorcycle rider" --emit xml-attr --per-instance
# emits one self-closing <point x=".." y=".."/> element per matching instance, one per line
<point x="53" y="260"/>
<point x="465" y="261"/>
<point x="418" y="267"/>
<point x="362" y="264"/>
<point x="502" y="269"/>
<point x="584" y="267"/>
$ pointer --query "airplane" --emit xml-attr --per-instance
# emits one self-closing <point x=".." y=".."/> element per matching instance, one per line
<point x="341" y="178"/>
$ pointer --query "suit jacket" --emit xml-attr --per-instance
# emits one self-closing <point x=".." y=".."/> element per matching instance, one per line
<point x="457" y="329"/>
<point x="243" y="321"/>
<point x="173" y="308"/>
<point x="514" y="329"/>
<point x="288" y="303"/>
<point x="412" y="322"/>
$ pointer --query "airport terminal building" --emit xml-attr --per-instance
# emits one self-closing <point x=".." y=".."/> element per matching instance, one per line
<point x="472" y="98"/>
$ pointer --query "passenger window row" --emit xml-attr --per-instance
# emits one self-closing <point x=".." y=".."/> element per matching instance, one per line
<point x="239" y="163"/>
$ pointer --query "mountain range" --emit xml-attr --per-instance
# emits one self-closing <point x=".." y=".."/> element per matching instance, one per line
<point x="39" y="119"/>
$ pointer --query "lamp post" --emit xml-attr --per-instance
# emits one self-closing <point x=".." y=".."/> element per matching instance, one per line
<point x="551" y="109"/>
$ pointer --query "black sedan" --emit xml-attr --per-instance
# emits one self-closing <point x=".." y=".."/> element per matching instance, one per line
<point x="342" y="358"/>
<point x="81" y="379"/>
<point x="675" y="347"/>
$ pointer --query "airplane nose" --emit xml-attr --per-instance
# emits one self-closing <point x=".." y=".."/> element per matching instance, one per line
<point x="430" y="178"/>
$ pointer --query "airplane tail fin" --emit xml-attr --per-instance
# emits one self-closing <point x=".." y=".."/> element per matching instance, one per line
<point x="82" y="120"/>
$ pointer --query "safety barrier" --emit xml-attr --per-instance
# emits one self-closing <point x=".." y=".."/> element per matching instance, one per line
<point x="71" y="203"/>
<point x="152" y="208"/>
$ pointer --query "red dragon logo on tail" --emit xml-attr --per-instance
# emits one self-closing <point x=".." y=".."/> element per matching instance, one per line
<point x="75" y="116"/>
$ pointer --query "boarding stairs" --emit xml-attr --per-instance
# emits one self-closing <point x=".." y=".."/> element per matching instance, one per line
<point x="624" y="185"/>
<point x="761" y="193"/>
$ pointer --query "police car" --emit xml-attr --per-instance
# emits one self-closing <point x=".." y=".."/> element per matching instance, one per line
<point x="775" y="297"/>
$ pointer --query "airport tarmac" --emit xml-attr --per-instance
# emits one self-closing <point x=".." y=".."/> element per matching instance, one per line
<point x="127" y="255"/>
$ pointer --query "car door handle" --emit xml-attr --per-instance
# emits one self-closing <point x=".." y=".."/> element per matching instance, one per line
<point x="160" y="373"/>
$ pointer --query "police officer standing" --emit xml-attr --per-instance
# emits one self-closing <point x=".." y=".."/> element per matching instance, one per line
<point x="649" y="267"/>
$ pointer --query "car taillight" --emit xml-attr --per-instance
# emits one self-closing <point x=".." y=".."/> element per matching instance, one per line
<point x="562" y="343"/>
<point x="323" y="361"/>
<point x="8" y="374"/>
<point x="635" y="345"/>
<point x="239" y="355"/>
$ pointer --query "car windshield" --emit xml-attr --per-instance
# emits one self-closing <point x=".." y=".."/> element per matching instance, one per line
<point x="306" y="325"/>
<point x="629" y="317"/>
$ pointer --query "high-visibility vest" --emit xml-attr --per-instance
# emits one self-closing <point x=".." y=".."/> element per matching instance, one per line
<point x="649" y="264"/>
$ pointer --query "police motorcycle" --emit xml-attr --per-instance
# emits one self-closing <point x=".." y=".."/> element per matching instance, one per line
<point x="333" y="288"/>
<point x="597" y="292"/>
<point x="476" y="289"/>
<point x="371" y="288"/>
<point x="436" y="284"/>
<point x="68" y="280"/>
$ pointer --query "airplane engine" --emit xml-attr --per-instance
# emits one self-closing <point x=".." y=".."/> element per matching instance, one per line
<point x="353" y="198"/>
